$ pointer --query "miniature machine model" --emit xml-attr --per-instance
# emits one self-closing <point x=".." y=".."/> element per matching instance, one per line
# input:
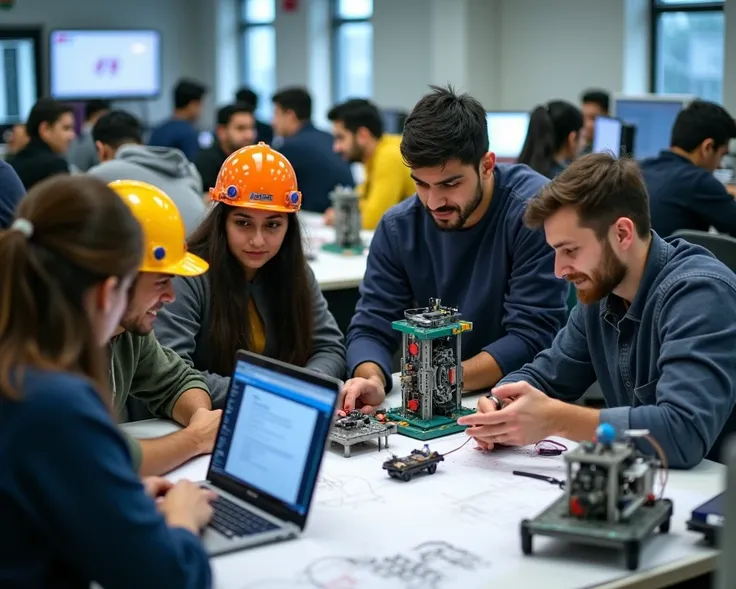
<point x="406" y="467"/>
<point x="431" y="372"/>
<point x="609" y="497"/>
<point x="347" y="222"/>
<point x="356" y="428"/>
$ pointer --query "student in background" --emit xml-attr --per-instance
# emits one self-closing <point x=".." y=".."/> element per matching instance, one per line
<point x="259" y="294"/>
<point x="318" y="169"/>
<point x="15" y="139"/>
<point x="118" y="136"/>
<point x="359" y="137"/>
<point x="655" y="327"/>
<point x="180" y="132"/>
<point x="50" y="129"/>
<point x="83" y="151"/>
<point x="11" y="192"/>
<point x="264" y="131"/>
<point x="235" y="129"/>
<point x="460" y="239"/>
<point x="595" y="103"/>
<point x="74" y="510"/>
<point x="553" y="139"/>
<point x="683" y="192"/>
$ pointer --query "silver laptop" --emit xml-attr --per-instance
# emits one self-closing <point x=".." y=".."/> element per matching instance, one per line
<point x="268" y="453"/>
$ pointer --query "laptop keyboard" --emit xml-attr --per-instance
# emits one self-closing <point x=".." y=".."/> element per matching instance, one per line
<point x="234" y="521"/>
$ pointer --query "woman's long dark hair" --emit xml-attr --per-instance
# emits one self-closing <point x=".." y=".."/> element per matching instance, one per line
<point x="550" y="126"/>
<point x="290" y="304"/>
<point x="75" y="233"/>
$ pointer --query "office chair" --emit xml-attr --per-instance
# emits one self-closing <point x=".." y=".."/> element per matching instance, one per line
<point x="722" y="247"/>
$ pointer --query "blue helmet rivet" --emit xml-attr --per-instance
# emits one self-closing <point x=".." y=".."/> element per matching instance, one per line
<point x="294" y="196"/>
<point x="232" y="191"/>
<point x="159" y="253"/>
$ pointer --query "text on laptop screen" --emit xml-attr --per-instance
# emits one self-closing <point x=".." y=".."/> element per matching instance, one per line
<point x="653" y="121"/>
<point x="506" y="133"/>
<point x="270" y="427"/>
<point x="607" y="136"/>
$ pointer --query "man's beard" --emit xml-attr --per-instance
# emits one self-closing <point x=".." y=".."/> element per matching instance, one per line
<point x="610" y="273"/>
<point x="463" y="214"/>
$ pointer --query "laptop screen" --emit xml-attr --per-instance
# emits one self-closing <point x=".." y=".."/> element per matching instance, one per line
<point x="273" y="432"/>
<point x="607" y="136"/>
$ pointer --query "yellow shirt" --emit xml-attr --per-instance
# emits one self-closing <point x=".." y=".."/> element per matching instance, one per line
<point x="257" y="330"/>
<point x="387" y="181"/>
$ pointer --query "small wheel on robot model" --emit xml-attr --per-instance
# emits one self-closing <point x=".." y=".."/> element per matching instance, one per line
<point x="631" y="553"/>
<point x="432" y="468"/>
<point x="526" y="537"/>
<point x="664" y="527"/>
<point x="406" y="476"/>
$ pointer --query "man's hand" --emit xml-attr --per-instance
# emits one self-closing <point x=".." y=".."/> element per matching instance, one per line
<point x="485" y="405"/>
<point x="203" y="426"/>
<point x="362" y="393"/>
<point x="329" y="216"/>
<point x="156" y="487"/>
<point x="525" y="420"/>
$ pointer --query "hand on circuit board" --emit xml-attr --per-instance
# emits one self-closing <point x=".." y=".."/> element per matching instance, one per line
<point x="485" y="405"/>
<point x="525" y="420"/>
<point x="362" y="393"/>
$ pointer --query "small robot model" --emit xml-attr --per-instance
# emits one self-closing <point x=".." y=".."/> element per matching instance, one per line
<point x="609" y="497"/>
<point x="431" y="372"/>
<point x="356" y="428"/>
<point x="347" y="222"/>
<point x="406" y="467"/>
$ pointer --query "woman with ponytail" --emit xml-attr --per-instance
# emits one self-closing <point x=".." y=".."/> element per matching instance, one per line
<point x="73" y="510"/>
<point x="553" y="138"/>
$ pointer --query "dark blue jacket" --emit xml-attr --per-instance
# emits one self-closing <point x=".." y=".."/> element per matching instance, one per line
<point x="179" y="134"/>
<point x="73" y="510"/>
<point x="684" y="196"/>
<point x="499" y="273"/>
<point x="318" y="169"/>
<point x="666" y="364"/>
<point x="11" y="191"/>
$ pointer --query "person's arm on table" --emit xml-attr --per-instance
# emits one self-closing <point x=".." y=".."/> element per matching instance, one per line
<point x="535" y="309"/>
<point x="163" y="380"/>
<point x="713" y="202"/>
<point x="178" y="325"/>
<point x="96" y="511"/>
<point x="371" y="341"/>
<point x="542" y="392"/>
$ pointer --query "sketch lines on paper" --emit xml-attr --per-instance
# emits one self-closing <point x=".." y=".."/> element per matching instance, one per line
<point x="430" y="565"/>
<point x="343" y="491"/>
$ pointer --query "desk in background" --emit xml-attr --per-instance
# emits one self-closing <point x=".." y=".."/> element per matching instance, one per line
<point x="364" y="524"/>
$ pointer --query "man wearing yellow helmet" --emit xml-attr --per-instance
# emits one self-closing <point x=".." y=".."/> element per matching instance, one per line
<point x="140" y="367"/>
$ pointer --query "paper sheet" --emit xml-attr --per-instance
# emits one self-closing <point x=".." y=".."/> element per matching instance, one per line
<point x="456" y="528"/>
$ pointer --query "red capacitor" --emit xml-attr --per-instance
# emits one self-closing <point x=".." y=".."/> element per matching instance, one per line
<point x="413" y="348"/>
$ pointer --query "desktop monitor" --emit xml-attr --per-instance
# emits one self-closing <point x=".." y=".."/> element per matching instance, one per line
<point x="607" y="135"/>
<point x="107" y="64"/>
<point x="20" y="74"/>
<point x="653" y="116"/>
<point x="506" y="133"/>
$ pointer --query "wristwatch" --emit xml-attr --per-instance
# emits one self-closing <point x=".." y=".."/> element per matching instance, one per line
<point x="495" y="400"/>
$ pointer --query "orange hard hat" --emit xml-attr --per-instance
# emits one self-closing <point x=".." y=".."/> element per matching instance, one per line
<point x="258" y="177"/>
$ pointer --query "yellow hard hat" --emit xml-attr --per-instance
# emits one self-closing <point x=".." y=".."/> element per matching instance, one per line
<point x="165" y="248"/>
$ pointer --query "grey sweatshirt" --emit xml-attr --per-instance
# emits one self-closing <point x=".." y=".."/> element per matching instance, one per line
<point x="164" y="167"/>
<point x="184" y="326"/>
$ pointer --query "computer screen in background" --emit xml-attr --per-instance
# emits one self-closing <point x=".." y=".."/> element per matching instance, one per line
<point x="20" y="74"/>
<point x="105" y="64"/>
<point x="653" y="119"/>
<point x="271" y="433"/>
<point x="607" y="136"/>
<point x="506" y="133"/>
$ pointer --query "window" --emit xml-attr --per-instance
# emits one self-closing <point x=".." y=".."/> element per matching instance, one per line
<point x="352" y="49"/>
<point x="258" y="37"/>
<point x="688" y="48"/>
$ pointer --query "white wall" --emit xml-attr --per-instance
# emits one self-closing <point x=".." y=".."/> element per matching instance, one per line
<point x="189" y="47"/>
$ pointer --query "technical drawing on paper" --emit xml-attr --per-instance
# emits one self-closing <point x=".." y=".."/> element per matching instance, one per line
<point x="339" y="492"/>
<point x="430" y="565"/>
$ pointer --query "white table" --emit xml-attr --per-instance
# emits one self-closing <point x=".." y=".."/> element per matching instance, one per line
<point x="472" y="502"/>
<point x="333" y="271"/>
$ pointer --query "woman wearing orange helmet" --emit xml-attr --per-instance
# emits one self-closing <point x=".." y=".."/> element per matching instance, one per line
<point x="259" y="294"/>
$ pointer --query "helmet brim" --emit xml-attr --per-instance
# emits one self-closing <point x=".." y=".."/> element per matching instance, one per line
<point x="189" y="265"/>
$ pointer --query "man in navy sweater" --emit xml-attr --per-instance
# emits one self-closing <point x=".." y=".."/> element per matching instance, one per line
<point x="656" y="326"/>
<point x="460" y="238"/>
<point x="683" y="192"/>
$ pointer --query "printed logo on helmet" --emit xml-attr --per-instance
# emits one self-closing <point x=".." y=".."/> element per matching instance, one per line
<point x="260" y="197"/>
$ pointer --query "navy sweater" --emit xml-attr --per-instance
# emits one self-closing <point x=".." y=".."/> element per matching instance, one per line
<point x="11" y="191"/>
<point x="178" y="134"/>
<point x="72" y="508"/>
<point x="498" y="272"/>
<point x="684" y="196"/>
